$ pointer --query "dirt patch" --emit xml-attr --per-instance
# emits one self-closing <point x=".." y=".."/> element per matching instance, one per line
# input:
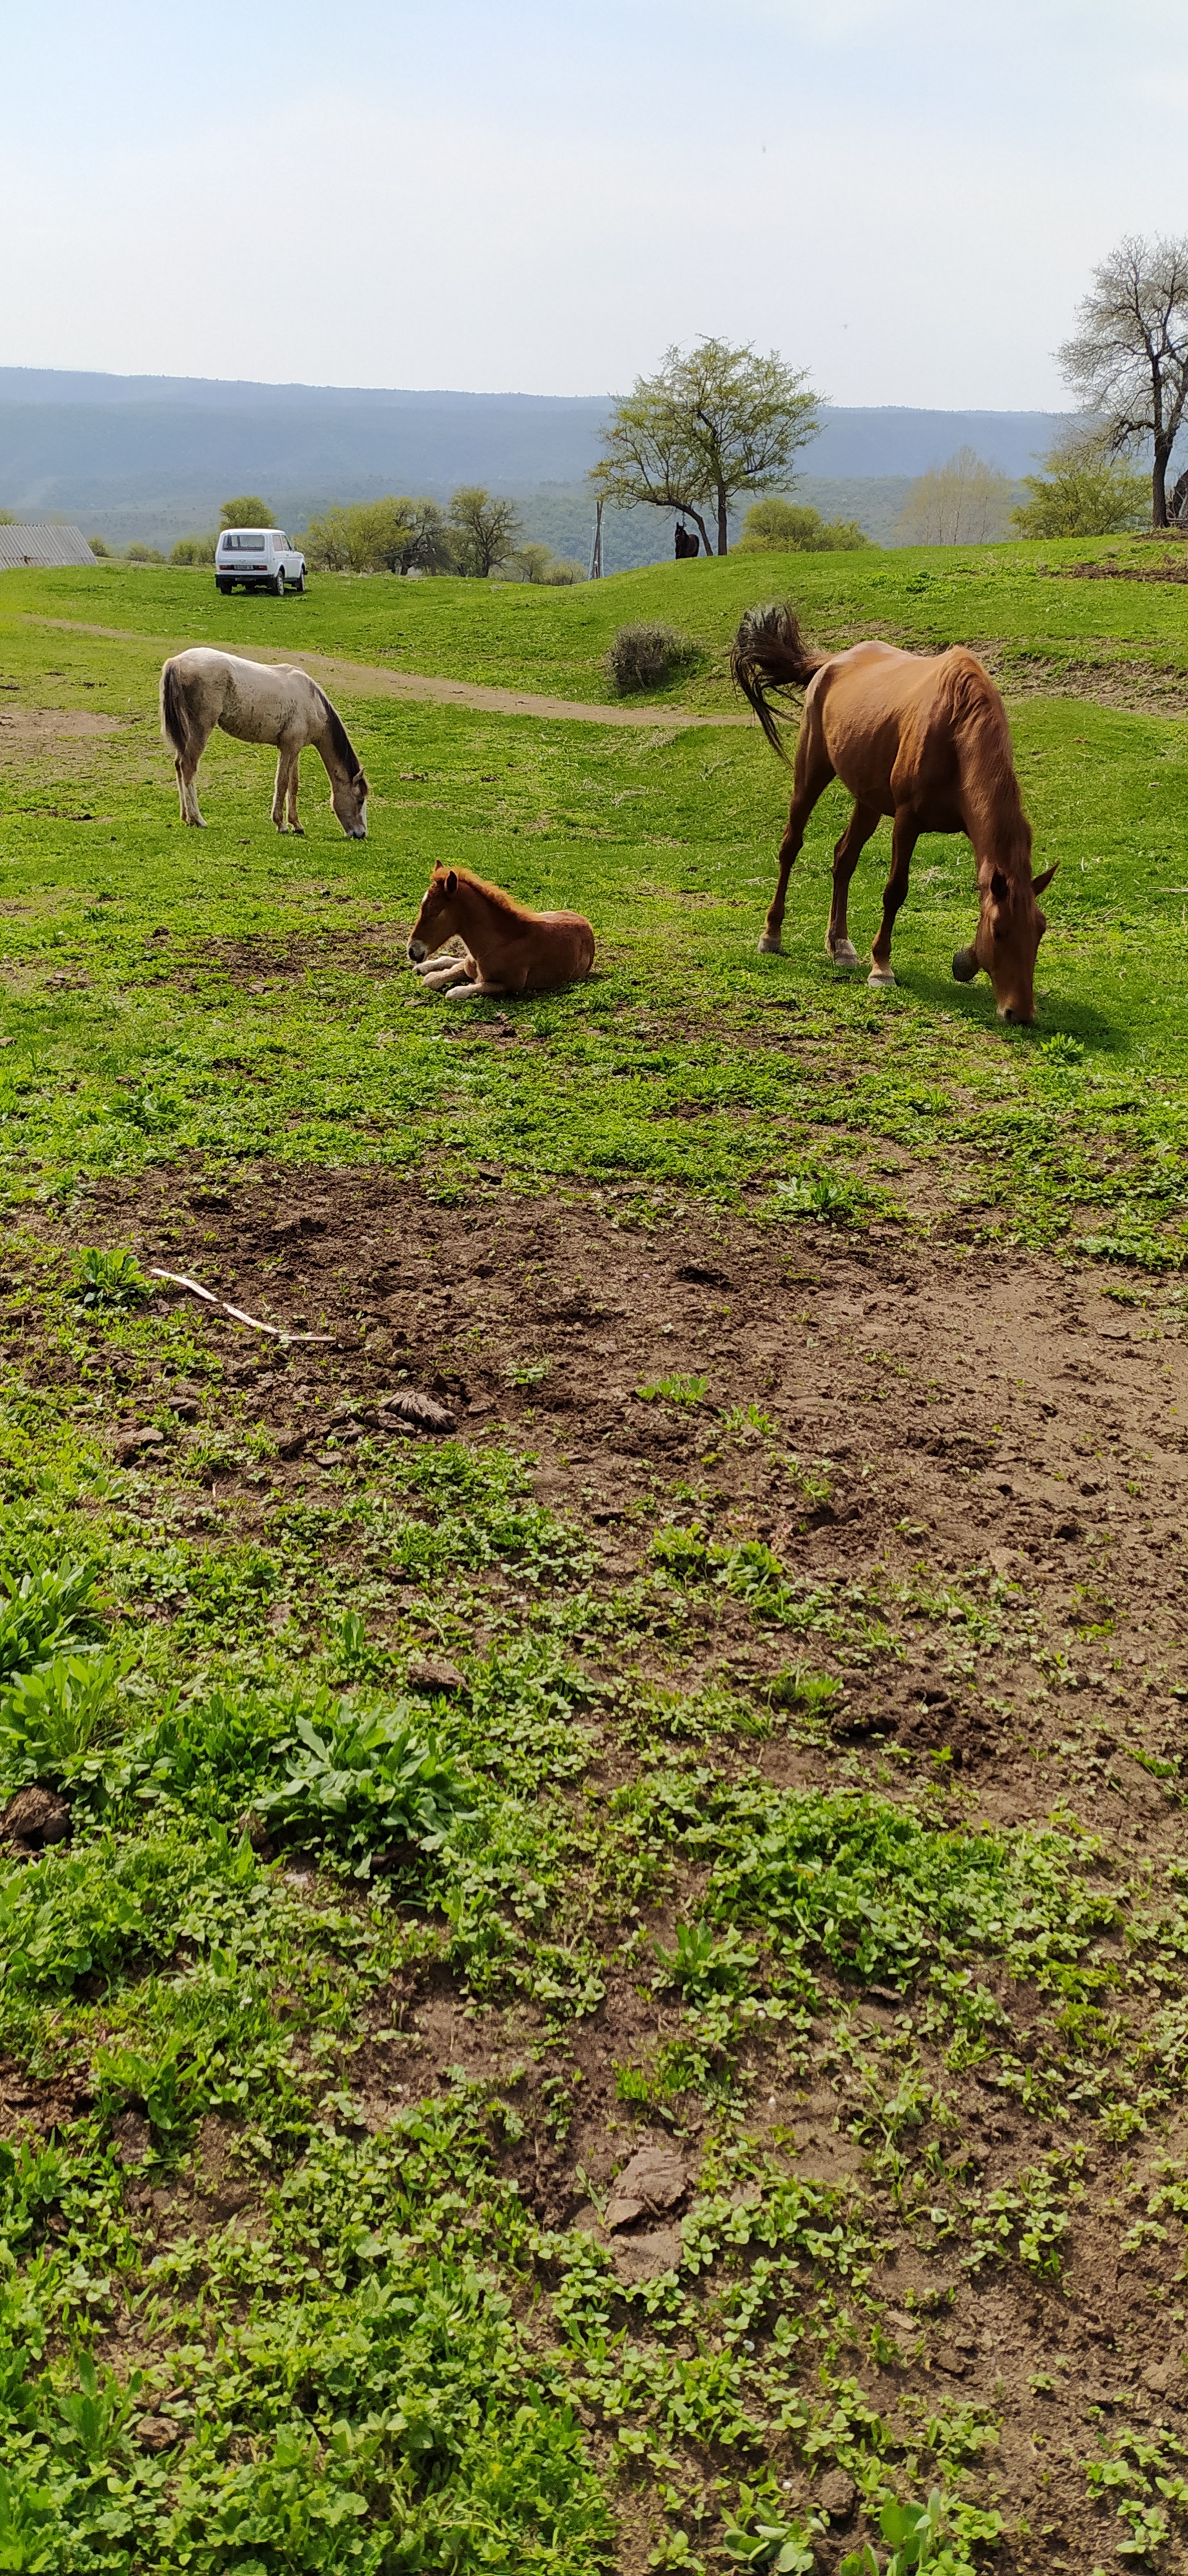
<point x="967" y="1409"/>
<point x="986" y="1453"/>
<point x="26" y="731"/>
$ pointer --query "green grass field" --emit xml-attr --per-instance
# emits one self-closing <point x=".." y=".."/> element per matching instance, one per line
<point x="277" y="2295"/>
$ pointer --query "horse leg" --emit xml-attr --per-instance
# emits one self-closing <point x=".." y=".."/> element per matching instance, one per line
<point x="905" y="834"/>
<point x="440" y="972"/>
<point x="814" y="769"/>
<point x="186" y="767"/>
<point x="863" y="821"/>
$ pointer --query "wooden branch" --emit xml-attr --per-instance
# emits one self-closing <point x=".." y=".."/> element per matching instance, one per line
<point x="235" y="1314"/>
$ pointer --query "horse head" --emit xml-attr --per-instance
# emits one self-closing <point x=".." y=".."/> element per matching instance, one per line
<point x="348" y="796"/>
<point x="435" y="920"/>
<point x="1006" y="941"/>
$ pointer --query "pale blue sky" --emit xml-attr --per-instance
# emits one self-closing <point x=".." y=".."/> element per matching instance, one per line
<point x="904" y="196"/>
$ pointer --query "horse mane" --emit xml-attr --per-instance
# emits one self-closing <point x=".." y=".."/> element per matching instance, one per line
<point x="340" y="741"/>
<point x="974" y="709"/>
<point x="496" y="895"/>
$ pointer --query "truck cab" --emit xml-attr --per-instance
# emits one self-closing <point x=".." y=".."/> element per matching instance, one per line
<point x="260" y="558"/>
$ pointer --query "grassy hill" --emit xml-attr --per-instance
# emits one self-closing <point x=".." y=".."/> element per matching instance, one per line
<point x="599" y="1985"/>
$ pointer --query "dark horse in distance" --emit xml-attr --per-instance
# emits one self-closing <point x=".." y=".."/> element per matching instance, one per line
<point x="922" y="738"/>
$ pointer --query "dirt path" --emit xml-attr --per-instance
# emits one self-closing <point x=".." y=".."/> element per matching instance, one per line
<point x="366" y="680"/>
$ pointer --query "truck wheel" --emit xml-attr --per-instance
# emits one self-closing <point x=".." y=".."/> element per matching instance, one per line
<point x="299" y="584"/>
<point x="278" y="583"/>
<point x="225" y="588"/>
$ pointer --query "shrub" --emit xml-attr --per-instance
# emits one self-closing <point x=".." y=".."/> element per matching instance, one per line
<point x="1084" y="494"/>
<point x="137" y="553"/>
<point x="644" y="657"/>
<point x="52" y="1716"/>
<point x="98" y="545"/>
<point x="776" y="527"/>
<point x="193" y="550"/>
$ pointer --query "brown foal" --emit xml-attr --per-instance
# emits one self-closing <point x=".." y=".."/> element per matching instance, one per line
<point x="922" y="738"/>
<point x="508" y="948"/>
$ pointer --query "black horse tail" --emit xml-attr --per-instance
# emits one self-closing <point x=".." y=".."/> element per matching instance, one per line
<point x="769" y="646"/>
<point x="174" y="723"/>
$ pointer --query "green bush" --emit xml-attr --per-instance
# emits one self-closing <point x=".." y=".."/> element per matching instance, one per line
<point x="1082" y="496"/>
<point x="194" y="550"/>
<point x="42" y="1612"/>
<point x="776" y="527"/>
<point x="137" y="553"/>
<point x="644" y="657"/>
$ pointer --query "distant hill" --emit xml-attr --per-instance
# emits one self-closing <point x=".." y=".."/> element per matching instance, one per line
<point x="152" y="456"/>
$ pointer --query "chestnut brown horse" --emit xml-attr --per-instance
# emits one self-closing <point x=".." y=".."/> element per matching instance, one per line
<point x="922" y="738"/>
<point x="508" y="948"/>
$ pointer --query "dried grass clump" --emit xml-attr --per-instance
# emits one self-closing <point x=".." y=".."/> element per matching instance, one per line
<point x="644" y="657"/>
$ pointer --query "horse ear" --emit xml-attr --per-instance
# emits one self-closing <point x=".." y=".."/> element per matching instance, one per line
<point x="451" y="883"/>
<point x="999" y="888"/>
<point x="1038" y="883"/>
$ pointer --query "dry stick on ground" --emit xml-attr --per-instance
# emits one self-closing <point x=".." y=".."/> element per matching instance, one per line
<point x="277" y="1332"/>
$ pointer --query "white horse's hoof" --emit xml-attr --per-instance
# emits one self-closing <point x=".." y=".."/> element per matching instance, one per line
<point x="771" y="945"/>
<point x="880" y="979"/>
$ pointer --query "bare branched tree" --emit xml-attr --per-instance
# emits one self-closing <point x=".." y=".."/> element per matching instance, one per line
<point x="1128" y="362"/>
<point x="961" y="503"/>
<point x="713" y="422"/>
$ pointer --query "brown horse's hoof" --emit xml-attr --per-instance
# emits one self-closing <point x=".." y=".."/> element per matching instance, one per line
<point x="771" y="944"/>
<point x="844" y="954"/>
<point x="881" y="978"/>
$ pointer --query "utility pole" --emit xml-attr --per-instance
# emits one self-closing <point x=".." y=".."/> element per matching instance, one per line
<point x="596" y="556"/>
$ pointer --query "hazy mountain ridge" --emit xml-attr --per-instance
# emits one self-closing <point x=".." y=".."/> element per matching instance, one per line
<point x="153" y="456"/>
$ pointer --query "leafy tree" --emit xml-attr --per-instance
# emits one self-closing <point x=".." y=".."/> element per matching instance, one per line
<point x="247" y="510"/>
<point x="485" y="529"/>
<point x="395" y="534"/>
<point x="961" y="503"/>
<point x="713" y="422"/>
<point x="778" y="527"/>
<point x="1084" y="492"/>
<point x="98" y="545"/>
<point x="138" y="553"/>
<point x="1128" y="362"/>
<point x="194" y="550"/>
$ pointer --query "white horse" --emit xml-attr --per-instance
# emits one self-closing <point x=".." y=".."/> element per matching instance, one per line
<point x="259" y="702"/>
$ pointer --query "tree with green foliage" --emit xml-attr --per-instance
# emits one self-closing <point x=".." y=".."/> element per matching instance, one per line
<point x="99" y="546"/>
<point x="1128" y="362"/>
<point x="394" y="534"/>
<point x="485" y="530"/>
<point x="779" y="527"/>
<point x="713" y="422"/>
<point x="246" y="510"/>
<point x="1083" y="492"/>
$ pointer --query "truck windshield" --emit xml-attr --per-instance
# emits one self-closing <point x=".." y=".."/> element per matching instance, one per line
<point x="244" y="541"/>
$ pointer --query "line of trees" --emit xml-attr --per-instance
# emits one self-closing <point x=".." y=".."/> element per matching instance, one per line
<point x="480" y="533"/>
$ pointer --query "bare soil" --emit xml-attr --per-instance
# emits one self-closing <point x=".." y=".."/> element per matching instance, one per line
<point x="974" y="1414"/>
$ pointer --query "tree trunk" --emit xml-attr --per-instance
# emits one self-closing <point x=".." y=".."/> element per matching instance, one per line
<point x="722" y="538"/>
<point x="1163" y="448"/>
<point x="699" y="523"/>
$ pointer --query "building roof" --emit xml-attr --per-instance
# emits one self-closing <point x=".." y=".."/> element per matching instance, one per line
<point x="48" y="543"/>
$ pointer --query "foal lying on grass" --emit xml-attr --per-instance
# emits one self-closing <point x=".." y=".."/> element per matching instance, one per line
<point x="508" y="948"/>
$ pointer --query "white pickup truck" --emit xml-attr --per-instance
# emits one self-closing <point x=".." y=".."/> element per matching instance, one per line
<point x="261" y="558"/>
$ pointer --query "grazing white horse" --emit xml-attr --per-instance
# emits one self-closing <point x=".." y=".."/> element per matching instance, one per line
<point x="259" y="702"/>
